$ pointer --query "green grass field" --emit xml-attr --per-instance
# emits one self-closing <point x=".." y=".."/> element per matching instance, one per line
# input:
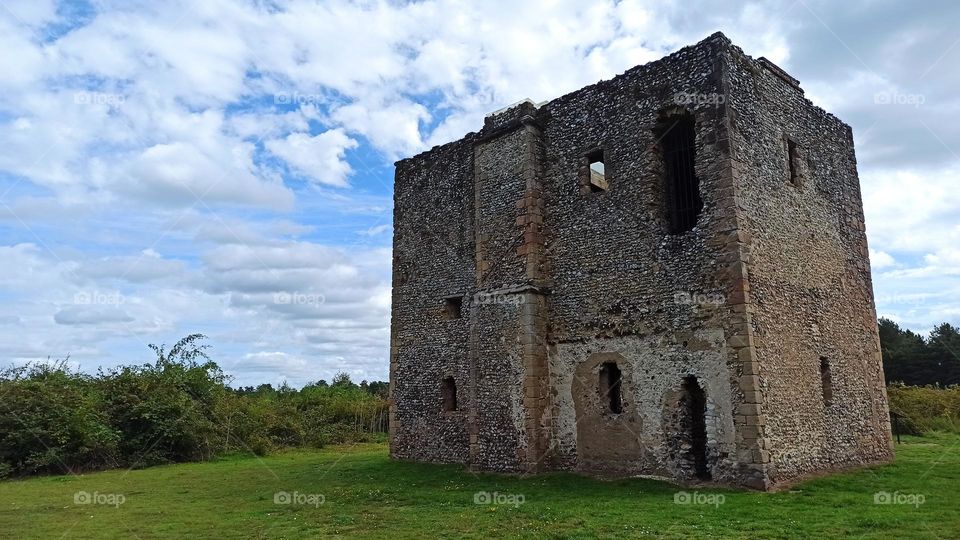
<point x="358" y="491"/>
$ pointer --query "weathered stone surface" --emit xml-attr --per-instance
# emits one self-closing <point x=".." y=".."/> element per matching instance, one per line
<point x="559" y="276"/>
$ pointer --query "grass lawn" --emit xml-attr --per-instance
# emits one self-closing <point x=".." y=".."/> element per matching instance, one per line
<point x="358" y="491"/>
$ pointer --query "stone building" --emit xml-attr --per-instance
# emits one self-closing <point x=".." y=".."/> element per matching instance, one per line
<point x="664" y="274"/>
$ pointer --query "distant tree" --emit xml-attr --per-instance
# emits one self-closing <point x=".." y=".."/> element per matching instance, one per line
<point x="944" y="345"/>
<point x="379" y="388"/>
<point x="342" y="380"/>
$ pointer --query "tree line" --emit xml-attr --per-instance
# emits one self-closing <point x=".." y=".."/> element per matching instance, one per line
<point x="915" y="360"/>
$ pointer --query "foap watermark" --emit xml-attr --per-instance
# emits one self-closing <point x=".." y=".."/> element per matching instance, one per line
<point x="98" y="98"/>
<point x="300" y="499"/>
<point x="695" y="497"/>
<point x="488" y="298"/>
<point x="98" y="298"/>
<point x="296" y="98"/>
<point x="686" y="298"/>
<point x="499" y="499"/>
<point x="897" y="98"/>
<point x="902" y="299"/>
<point x="105" y="499"/>
<point x="299" y="299"/>
<point x="699" y="98"/>
<point x="887" y="497"/>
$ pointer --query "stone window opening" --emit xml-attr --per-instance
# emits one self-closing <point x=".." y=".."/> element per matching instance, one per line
<point x="448" y="392"/>
<point x="826" y="381"/>
<point x="694" y="403"/>
<point x="598" y="173"/>
<point x="452" y="308"/>
<point x="676" y="135"/>
<point x="793" y="162"/>
<point x="610" y="387"/>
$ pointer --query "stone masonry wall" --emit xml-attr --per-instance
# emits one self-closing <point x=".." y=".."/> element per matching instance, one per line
<point x="622" y="284"/>
<point x="810" y="291"/>
<point x="433" y="259"/>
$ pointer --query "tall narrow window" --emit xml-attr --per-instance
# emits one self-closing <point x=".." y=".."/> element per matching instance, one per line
<point x="793" y="157"/>
<point x="677" y="136"/>
<point x="826" y="381"/>
<point x="448" y="391"/>
<point x="597" y="171"/>
<point x="610" y="379"/>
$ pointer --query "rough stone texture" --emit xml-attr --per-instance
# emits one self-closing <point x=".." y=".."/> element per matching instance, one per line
<point x="557" y="277"/>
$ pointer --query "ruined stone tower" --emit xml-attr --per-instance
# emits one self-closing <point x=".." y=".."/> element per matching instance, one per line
<point x="665" y="273"/>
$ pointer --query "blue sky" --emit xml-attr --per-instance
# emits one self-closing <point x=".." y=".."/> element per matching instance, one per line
<point x="226" y="167"/>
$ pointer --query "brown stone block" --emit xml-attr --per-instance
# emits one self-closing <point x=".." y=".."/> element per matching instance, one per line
<point x="748" y="409"/>
<point x="750" y="431"/>
<point x="738" y="297"/>
<point x="749" y="383"/>
<point x="533" y="237"/>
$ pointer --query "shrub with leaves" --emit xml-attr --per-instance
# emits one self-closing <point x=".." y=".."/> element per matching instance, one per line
<point x="178" y="408"/>
<point x="52" y="420"/>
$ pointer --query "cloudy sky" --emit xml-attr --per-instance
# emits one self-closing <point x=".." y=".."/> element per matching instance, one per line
<point x="225" y="167"/>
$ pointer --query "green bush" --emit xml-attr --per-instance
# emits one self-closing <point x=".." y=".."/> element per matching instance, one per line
<point x="52" y="420"/>
<point x="921" y="409"/>
<point x="179" y="408"/>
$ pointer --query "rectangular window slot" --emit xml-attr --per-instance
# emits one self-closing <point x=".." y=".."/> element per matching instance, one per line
<point x="610" y="382"/>
<point x="826" y="381"/>
<point x="448" y="391"/>
<point x="597" y="171"/>
<point x="793" y="158"/>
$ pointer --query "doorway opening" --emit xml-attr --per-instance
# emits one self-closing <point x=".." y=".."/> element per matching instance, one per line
<point x="694" y="403"/>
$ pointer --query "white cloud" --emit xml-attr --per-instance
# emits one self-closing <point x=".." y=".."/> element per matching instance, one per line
<point x="393" y="128"/>
<point x="320" y="157"/>
<point x="880" y="260"/>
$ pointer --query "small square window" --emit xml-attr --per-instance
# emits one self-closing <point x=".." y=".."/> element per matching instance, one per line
<point x="452" y="308"/>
